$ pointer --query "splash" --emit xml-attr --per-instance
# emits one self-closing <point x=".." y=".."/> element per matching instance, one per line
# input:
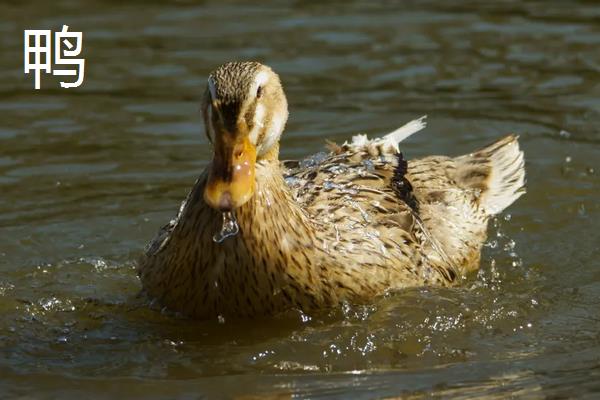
<point x="228" y="229"/>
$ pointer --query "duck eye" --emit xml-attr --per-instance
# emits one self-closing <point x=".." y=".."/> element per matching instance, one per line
<point x="259" y="92"/>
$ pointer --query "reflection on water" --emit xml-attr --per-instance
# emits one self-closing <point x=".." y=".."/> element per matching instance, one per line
<point x="88" y="175"/>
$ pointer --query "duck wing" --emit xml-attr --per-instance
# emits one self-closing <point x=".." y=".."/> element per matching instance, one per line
<point x="434" y="210"/>
<point x="458" y="195"/>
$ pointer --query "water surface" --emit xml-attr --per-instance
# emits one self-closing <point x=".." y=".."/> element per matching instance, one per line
<point x="88" y="175"/>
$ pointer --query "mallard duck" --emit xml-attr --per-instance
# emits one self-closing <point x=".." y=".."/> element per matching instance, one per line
<point x="257" y="236"/>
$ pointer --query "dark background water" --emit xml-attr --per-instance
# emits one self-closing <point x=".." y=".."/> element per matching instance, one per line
<point x="87" y="176"/>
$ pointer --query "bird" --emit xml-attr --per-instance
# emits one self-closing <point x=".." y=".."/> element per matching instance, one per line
<point x="257" y="236"/>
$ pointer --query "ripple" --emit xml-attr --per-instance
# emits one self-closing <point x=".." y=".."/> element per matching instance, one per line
<point x="32" y="106"/>
<point x="88" y="175"/>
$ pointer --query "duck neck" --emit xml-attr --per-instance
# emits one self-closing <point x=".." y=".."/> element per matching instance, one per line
<point x="273" y="218"/>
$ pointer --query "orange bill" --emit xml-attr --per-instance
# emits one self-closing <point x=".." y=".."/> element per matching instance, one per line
<point x="231" y="177"/>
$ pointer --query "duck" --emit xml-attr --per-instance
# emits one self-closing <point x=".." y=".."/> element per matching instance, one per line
<point x="257" y="236"/>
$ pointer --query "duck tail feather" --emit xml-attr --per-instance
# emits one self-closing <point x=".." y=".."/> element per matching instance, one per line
<point x="497" y="172"/>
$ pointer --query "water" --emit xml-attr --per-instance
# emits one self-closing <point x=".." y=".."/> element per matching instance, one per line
<point x="88" y="175"/>
<point x="229" y="227"/>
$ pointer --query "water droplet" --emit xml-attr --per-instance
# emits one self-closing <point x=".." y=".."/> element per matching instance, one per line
<point x="228" y="229"/>
<point x="565" y="134"/>
<point x="534" y="302"/>
<point x="220" y="319"/>
<point x="337" y="169"/>
<point x="305" y="318"/>
<point x="510" y="245"/>
<point x="292" y="181"/>
<point x="517" y="263"/>
<point x="313" y="160"/>
<point x="369" y="165"/>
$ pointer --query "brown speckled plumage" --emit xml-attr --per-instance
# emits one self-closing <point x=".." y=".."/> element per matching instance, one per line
<point x="241" y="72"/>
<point x="346" y="226"/>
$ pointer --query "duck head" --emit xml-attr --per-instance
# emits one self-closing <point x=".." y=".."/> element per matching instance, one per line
<point x="245" y="111"/>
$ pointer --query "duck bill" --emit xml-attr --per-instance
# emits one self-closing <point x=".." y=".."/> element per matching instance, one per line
<point x="231" y="178"/>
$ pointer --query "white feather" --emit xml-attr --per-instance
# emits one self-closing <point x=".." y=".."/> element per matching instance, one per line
<point x="273" y="133"/>
<point x="259" y="123"/>
<point x="406" y="130"/>
<point x="259" y="80"/>
<point x="388" y="143"/>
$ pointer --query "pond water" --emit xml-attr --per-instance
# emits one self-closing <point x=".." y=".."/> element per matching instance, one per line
<point x="88" y="175"/>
